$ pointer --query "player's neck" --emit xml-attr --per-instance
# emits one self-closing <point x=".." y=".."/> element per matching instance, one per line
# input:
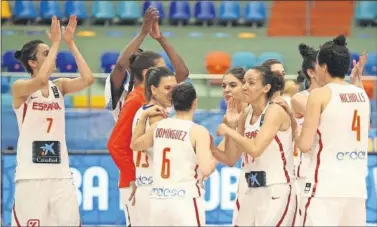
<point x="184" y="115"/>
<point x="335" y="80"/>
<point x="259" y="107"/>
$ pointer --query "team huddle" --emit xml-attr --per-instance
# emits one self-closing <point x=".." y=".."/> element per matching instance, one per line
<point x="164" y="157"/>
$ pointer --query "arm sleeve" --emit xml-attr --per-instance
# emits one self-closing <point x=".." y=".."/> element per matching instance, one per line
<point x="120" y="139"/>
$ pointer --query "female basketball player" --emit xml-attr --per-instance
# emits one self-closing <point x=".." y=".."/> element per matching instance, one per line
<point x="267" y="139"/>
<point x="337" y="116"/>
<point x="159" y="83"/>
<point x="181" y="149"/>
<point x="44" y="185"/>
<point x="232" y="90"/>
<point x="117" y="84"/>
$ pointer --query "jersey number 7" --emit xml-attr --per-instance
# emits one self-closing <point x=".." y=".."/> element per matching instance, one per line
<point x="165" y="168"/>
<point x="50" y="120"/>
<point x="356" y="124"/>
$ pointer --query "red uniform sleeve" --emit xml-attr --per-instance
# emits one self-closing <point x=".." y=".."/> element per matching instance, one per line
<point x="120" y="139"/>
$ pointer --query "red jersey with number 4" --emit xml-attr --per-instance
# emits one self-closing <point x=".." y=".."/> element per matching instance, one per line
<point x="338" y="158"/>
<point x="41" y="148"/>
<point x="174" y="160"/>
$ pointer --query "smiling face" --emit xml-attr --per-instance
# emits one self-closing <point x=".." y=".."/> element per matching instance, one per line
<point x="232" y="87"/>
<point x="40" y="56"/>
<point x="253" y="88"/>
<point x="162" y="92"/>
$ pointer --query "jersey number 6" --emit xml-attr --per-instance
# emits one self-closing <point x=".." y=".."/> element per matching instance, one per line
<point x="165" y="169"/>
<point x="356" y="125"/>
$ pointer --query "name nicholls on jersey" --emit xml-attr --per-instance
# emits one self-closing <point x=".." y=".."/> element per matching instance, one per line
<point x="171" y="134"/>
<point x="46" y="107"/>
<point x="352" y="97"/>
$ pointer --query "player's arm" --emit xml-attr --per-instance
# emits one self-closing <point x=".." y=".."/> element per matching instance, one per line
<point x="232" y="152"/>
<point x="204" y="158"/>
<point x="274" y="119"/>
<point x="298" y="105"/>
<point x="141" y="139"/>
<point x="21" y="89"/>
<point x="68" y="85"/>
<point x="311" y="120"/>
<point x="120" y="138"/>
<point x="118" y="75"/>
<point x="181" y="70"/>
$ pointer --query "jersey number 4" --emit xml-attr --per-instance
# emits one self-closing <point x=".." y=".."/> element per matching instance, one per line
<point x="165" y="169"/>
<point x="356" y="124"/>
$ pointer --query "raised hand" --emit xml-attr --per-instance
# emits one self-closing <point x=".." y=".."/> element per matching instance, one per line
<point x="69" y="31"/>
<point x="55" y="34"/>
<point x="221" y="130"/>
<point x="150" y="16"/>
<point x="155" y="32"/>
<point x="358" y="68"/>
<point x="232" y="114"/>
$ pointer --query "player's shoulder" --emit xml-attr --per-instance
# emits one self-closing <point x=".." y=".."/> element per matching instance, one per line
<point x="200" y="129"/>
<point x="275" y="109"/>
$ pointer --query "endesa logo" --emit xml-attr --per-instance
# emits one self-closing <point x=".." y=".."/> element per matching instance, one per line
<point x="142" y="180"/>
<point x="353" y="155"/>
<point x="168" y="192"/>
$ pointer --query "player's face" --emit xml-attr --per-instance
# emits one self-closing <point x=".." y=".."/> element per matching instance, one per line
<point x="163" y="91"/>
<point x="160" y="62"/>
<point x="278" y="68"/>
<point x="40" y="57"/>
<point x="232" y="87"/>
<point x="253" y="87"/>
<point x="320" y="75"/>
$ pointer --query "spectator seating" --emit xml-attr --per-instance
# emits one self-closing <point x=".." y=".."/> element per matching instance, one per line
<point x="371" y="65"/>
<point x="6" y="13"/>
<point x="65" y="62"/>
<point x="48" y="9"/>
<point x="11" y="64"/>
<point x="24" y="11"/>
<point x="229" y="12"/>
<point x="81" y="101"/>
<point x="77" y="8"/>
<point x="108" y="61"/>
<point x="204" y="12"/>
<point x="217" y="62"/>
<point x="103" y="11"/>
<point x="179" y="12"/>
<point x="269" y="55"/>
<point x="128" y="11"/>
<point x="366" y="12"/>
<point x="5" y="85"/>
<point x="156" y="4"/>
<point x="255" y="12"/>
<point x="244" y="59"/>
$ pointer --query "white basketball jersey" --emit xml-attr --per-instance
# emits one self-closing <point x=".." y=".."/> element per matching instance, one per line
<point x="41" y="148"/>
<point x="277" y="158"/>
<point x="109" y="99"/>
<point x="175" y="169"/>
<point x="143" y="159"/>
<point x="338" y="164"/>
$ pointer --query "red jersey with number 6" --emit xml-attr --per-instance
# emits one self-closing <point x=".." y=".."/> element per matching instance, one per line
<point x="41" y="148"/>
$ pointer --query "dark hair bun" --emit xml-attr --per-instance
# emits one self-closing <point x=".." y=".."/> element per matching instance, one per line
<point x="300" y="76"/>
<point x="340" y="40"/>
<point x="304" y="49"/>
<point x="133" y="57"/>
<point x="17" y="54"/>
<point x="278" y="80"/>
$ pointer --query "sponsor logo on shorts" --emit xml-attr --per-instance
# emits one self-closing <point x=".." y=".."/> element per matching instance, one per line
<point x="352" y="156"/>
<point x="143" y="180"/>
<point x="33" y="223"/>
<point x="307" y="187"/>
<point x="168" y="192"/>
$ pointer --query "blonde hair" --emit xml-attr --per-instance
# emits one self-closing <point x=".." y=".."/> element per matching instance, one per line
<point x="291" y="88"/>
